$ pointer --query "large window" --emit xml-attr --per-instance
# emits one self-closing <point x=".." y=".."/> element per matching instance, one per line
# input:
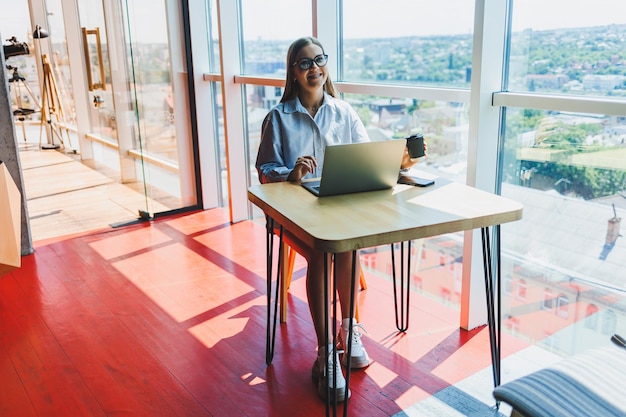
<point x="564" y="158"/>
<point x="555" y="114"/>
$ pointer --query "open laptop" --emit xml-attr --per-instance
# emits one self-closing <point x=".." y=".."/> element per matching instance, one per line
<point x="358" y="167"/>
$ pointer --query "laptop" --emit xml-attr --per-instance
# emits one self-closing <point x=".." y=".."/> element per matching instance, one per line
<point x="358" y="167"/>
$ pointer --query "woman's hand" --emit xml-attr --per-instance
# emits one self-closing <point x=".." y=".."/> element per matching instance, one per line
<point x="304" y="165"/>
<point x="407" y="162"/>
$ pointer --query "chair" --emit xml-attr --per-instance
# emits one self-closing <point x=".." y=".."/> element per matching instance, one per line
<point x="286" y="273"/>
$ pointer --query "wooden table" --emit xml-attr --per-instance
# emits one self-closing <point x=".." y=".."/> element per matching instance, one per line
<point x="350" y="222"/>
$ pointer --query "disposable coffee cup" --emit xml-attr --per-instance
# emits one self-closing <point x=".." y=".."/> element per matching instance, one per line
<point x="416" y="145"/>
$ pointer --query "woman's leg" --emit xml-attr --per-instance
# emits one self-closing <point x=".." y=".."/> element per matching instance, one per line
<point x="325" y="374"/>
<point x="316" y="298"/>
<point x="315" y="295"/>
<point x="358" y="355"/>
<point x="315" y="288"/>
<point x="314" y="284"/>
<point x="344" y="279"/>
<point x="326" y="371"/>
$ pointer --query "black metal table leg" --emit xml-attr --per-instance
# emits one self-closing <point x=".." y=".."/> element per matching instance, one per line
<point x="348" y="349"/>
<point x="402" y="312"/>
<point x="494" y="298"/>
<point x="332" y="399"/>
<point x="327" y="261"/>
<point x="270" y="340"/>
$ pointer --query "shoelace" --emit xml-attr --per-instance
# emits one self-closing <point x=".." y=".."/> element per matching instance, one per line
<point x="356" y="337"/>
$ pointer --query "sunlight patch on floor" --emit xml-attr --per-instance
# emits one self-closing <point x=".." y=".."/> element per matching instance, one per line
<point x="380" y="374"/>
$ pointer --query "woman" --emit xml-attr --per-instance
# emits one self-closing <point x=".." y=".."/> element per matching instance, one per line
<point x="294" y="135"/>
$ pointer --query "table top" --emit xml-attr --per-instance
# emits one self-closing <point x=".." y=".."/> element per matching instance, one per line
<point x="348" y="222"/>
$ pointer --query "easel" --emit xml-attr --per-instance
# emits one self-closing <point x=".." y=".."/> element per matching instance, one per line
<point x="51" y="109"/>
<point x="17" y="81"/>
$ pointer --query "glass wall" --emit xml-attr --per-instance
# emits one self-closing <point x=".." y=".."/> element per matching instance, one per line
<point x="565" y="259"/>
<point x="216" y="111"/>
<point x="139" y="113"/>
<point x="213" y="36"/>
<point x="561" y="156"/>
<point x="568" y="167"/>
<point x="151" y="88"/>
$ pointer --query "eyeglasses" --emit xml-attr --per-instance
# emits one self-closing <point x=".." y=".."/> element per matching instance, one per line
<point x="307" y="63"/>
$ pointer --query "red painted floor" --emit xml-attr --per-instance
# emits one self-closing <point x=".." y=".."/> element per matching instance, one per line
<point x="168" y="319"/>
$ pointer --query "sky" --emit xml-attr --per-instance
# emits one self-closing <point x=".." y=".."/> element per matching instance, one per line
<point x="15" y="20"/>
<point x="288" y="19"/>
<point x="12" y="23"/>
<point x="382" y="18"/>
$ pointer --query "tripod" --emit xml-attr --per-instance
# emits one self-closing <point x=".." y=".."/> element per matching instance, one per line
<point x="18" y="82"/>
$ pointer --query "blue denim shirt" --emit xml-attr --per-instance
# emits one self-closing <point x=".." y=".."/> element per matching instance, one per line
<point x="288" y="132"/>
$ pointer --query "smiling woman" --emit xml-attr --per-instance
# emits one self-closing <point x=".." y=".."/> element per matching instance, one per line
<point x="294" y="136"/>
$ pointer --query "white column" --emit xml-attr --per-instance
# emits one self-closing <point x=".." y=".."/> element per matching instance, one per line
<point x="182" y="112"/>
<point x="326" y="29"/>
<point x="487" y="69"/>
<point x="209" y="164"/>
<point x="125" y="117"/>
<point x="234" y="117"/>
<point x="73" y="37"/>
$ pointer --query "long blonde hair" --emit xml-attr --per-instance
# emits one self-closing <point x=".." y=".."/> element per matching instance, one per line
<point x="291" y="86"/>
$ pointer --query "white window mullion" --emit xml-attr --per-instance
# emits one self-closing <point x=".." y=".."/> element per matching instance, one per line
<point x="326" y="29"/>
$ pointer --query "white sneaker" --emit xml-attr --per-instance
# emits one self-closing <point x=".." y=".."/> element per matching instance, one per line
<point x="359" y="357"/>
<point x="324" y="377"/>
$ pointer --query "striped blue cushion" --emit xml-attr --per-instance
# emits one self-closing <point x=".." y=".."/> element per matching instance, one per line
<point x="585" y="385"/>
